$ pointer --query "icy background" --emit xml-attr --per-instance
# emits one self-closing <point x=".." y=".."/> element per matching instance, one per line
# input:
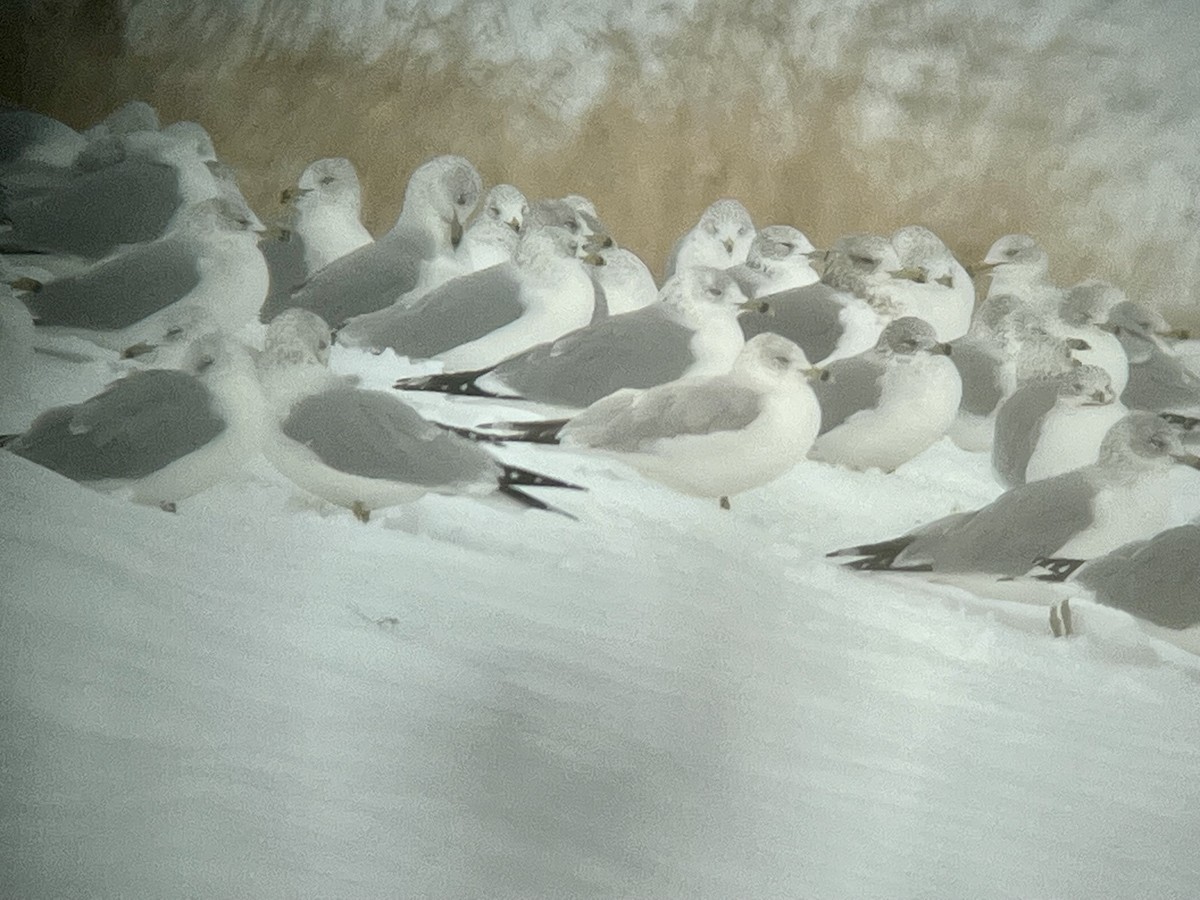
<point x="1074" y="120"/>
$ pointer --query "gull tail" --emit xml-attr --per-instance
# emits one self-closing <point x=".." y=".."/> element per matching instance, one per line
<point x="513" y="478"/>
<point x="463" y="384"/>
<point x="542" y="431"/>
<point x="1057" y="568"/>
<point x="881" y="556"/>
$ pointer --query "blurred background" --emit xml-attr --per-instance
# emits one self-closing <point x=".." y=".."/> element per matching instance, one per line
<point x="1077" y="121"/>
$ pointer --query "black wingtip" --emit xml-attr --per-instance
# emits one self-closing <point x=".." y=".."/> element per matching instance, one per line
<point x="462" y="384"/>
<point x="472" y="434"/>
<point x="1058" y="568"/>
<point x="515" y="475"/>
<point x="540" y="431"/>
<point x="530" y="501"/>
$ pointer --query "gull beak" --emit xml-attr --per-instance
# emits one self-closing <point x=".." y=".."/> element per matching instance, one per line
<point x="728" y="244"/>
<point x="1110" y="327"/>
<point x="456" y="232"/>
<point x="980" y="268"/>
<point x="1077" y="344"/>
<point x="942" y="349"/>
<point x="815" y="374"/>
<point x="946" y="281"/>
<point x="139" y="349"/>
<point x="1100" y="398"/>
<point x="1175" y="334"/>
<point x="27" y="284"/>
<point x="515" y="224"/>
<point x="911" y="273"/>
<point x="818" y="260"/>
<point x="1188" y="459"/>
<point x="758" y="306"/>
<point x="292" y="194"/>
<point x="278" y="233"/>
<point x="597" y="242"/>
<point x="593" y="259"/>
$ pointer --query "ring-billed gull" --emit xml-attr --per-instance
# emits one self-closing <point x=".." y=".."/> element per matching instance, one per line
<point x="132" y="199"/>
<point x="935" y="286"/>
<point x="207" y="271"/>
<point x="157" y="435"/>
<point x="834" y="318"/>
<point x="440" y="196"/>
<point x="709" y="437"/>
<point x="1124" y="496"/>
<point x="1053" y="425"/>
<point x="321" y="223"/>
<point x="623" y="283"/>
<point x="881" y="408"/>
<point x="1158" y="378"/>
<point x="1004" y="347"/>
<point x="720" y="239"/>
<point x="479" y="319"/>
<point x="363" y="449"/>
<point x="692" y="330"/>
<point x="779" y="259"/>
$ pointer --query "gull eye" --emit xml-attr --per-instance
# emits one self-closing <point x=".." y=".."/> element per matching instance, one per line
<point x="205" y="362"/>
<point x="1158" y="442"/>
<point x="714" y="291"/>
<point x="461" y="200"/>
<point x="328" y="179"/>
<point x="861" y="260"/>
<point x="495" y="211"/>
<point x="572" y="226"/>
<point x="741" y="231"/>
<point x="322" y="344"/>
<point x="783" y="361"/>
<point x="1077" y="386"/>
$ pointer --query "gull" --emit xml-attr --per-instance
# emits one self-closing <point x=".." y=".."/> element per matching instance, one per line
<point x="881" y="408"/>
<point x="720" y="239"/>
<point x="779" y="259"/>
<point x="361" y="449"/>
<point x="1158" y="378"/>
<point x="934" y="286"/>
<point x="623" y="284"/>
<point x="1084" y="513"/>
<point x="479" y="319"/>
<point x="1054" y="424"/>
<point x="322" y="223"/>
<point x="692" y="330"/>
<point x="207" y="272"/>
<point x="157" y="436"/>
<point x="440" y="196"/>
<point x="712" y="436"/>
<point x="833" y="318"/>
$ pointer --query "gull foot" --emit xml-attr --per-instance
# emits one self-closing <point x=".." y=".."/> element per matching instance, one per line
<point x="168" y="506"/>
<point x="1060" y="619"/>
<point x="725" y="503"/>
<point x="360" y="511"/>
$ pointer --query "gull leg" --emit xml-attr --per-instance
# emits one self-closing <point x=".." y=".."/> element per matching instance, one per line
<point x="360" y="511"/>
<point x="1061" y="624"/>
<point x="167" y="506"/>
<point x="725" y="503"/>
<point x="1056" y="626"/>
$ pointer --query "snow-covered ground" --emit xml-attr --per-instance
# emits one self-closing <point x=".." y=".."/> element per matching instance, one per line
<point x="261" y="697"/>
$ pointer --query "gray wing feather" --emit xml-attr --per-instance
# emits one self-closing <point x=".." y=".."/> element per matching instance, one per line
<point x="810" y="316"/>
<point x="1018" y="426"/>
<point x="285" y="269"/>
<point x="129" y="202"/>
<point x="1006" y="536"/>
<point x="370" y="278"/>
<point x="459" y="311"/>
<point x="1161" y="382"/>
<point x="1156" y="580"/>
<point x="137" y="426"/>
<point x="979" y="369"/>
<point x="122" y="291"/>
<point x="639" y="349"/>
<point x="853" y="385"/>
<point x="632" y="421"/>
<point x="377" y="435"/>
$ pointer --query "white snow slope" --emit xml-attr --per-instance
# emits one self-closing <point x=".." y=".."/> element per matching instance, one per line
<point x="261" y="697"/>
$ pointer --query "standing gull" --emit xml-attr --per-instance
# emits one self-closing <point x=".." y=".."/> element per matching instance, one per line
<point x="881" y="408"/>
<point x="362" y="449"/>
<point x="440" y="196"/>
<point x="709" y="437"/>
<point x="479" y="319"/>
<point x="692" y="330"/>
<point x="1088" y="512"/>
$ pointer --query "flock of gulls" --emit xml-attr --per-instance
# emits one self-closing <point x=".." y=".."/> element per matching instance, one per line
<point x="755" y="353"/>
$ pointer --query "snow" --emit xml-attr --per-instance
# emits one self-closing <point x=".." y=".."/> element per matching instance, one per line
<point x="260" y="696"/>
